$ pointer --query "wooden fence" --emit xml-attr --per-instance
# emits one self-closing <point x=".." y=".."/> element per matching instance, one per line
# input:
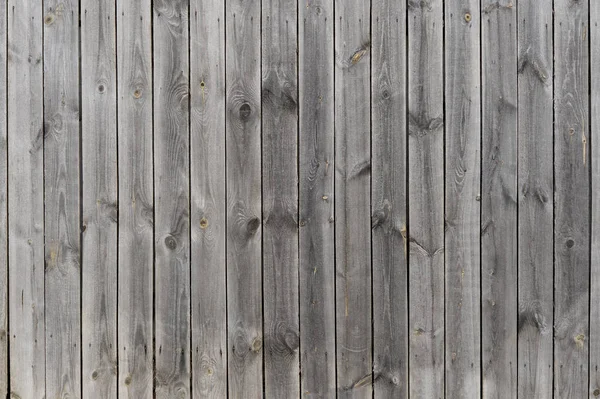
<point x="299" y="198"/>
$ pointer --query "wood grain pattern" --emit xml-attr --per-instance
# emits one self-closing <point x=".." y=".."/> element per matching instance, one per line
<point x="171" y="198"/>
<point x="207" y="163"/>
<point x="100" y="211"/>
<point x="353" y="199"/>
<point x="26" y="200"/>
<point x="3" y="205"/>
<point x="535" y="190"/>
<point x="136" y="199"/>
<point x="243" y="180"/>
<point x="279" y="98"/>
<point x="426" y="199"/>
<point x="389" y="199"/>
<point x="572" y="199"/>
<point x="594" y="367"/>
<point x="317" y="201"/>
<point x="462" y="199"/>
<point x="499" y="199"/>
<point x="62" y="200"/>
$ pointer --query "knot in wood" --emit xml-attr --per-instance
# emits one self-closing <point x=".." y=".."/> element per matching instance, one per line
<point x="570" y="243"/>
<point x="245" y="111"/>
<point x="256" y="344"/>
<point x="252" y="225"/>
<point x="468" y="17"/>
<point x="203" y="223"/>
<point x="171" y="242"/>
<point x="596" y="392"/>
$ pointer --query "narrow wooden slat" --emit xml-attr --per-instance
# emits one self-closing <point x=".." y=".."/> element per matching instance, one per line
<point x="317" y="240"/>
<point x="535" y="191"/>
<point x="426" y="199"/>
<point x="3" y="205"/>
<point x="572" y="199"/>
<point x="280" y="198"/>
<point x="26" y="199"/>
<point x="594" y="367"/>
<point x="207" y="142"/>
<point x="353" y="198"/>
<point x="136" y="199"/>
<point x="243" y="179"/>
<point x="499" y="199"/>
<point x="62" y="202"/>
<point x="171" y="198"/>
<point x="462" y="198"/>
<point x="100" y="213"/>
<point x="389" y="200"/>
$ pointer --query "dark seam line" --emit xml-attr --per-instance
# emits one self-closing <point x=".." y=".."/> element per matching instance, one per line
<point x="190" y="214"/>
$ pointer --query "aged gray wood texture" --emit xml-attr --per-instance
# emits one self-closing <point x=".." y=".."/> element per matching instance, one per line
<point x="535" y="200"/>
<point x="499" y="199"/>
<point x="62" y="202"/>
<point x="299" y="198"/>
<point x="99" y="187"/>
<point x="389" y="200"/>
<point x="462" y="199"/>
<point x="136" y="200"/>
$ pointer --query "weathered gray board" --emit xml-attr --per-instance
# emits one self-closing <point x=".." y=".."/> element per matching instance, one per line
<point x="299" y="198"/>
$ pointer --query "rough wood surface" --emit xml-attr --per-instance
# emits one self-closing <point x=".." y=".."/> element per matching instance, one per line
<point x="572" y="199"/>
<point x="3" y="206"/>
<point x="353" y="198"/>
<point x="499" y="199"/>
<point x="171" y="199"/>
<point x="317" y="240"/>
<point x="100" y="212"/>
<point x="136" y="199"/>
<point x="207" y="163"/>
<point x="62" y="226"/>
<point x="280" y="198"/>
<point x="462" y="199"/>
<point x="535" y="191"/>
<point x="389" y="201"/>
<point x="26" y="200"/>
<point x="243" y="180"/>
<point x="426" y="199"/>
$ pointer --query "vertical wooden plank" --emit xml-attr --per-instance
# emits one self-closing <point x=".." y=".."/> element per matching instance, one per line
<point x="426" y="199"/>
<point x="136" y="199"/>
<point x="594" y="366"/>
<point x="207" y="143"/>
<point x="535" y="190"/>
<point x="389" y="201"/>
<point x="572" y="196"/>
<point x="280" y="198"/>
<point x="3" y="205"/>
<point x="243" y="179"/>
<point x="317" y="240"/>
<point x="462" y="198"/>
<point x="499" y="199"/>
<point x="171" y="198"/>
<point x="26" y="199"/>
<point x="353" y="198"/>
<point x="99" y="170"/>
<point x="62" y="201"/>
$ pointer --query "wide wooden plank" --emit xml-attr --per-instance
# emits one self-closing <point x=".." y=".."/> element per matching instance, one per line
<point x="462" y="198"/>
<point x="535" y="190"/>
<point x="280" y="198"/>
<point x="62" y="225"/>
<point x="426" y="199"/>
<point x="26" y="200"/>
<point x="207" y="146"/>
<point x="572" y="199"/>
<point x="594" y="367"/>
<point x="136" y="199"/>
<point x="389" y="199"/>
<point x="499" y="199"/>
<point x="171" y="198"/>
<point x="243" y="180"/>
<point x="3" y="205"/>
<point x="353" y="198"/>
<point x="100" y="213"/>
<point x="317" y="240"/>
